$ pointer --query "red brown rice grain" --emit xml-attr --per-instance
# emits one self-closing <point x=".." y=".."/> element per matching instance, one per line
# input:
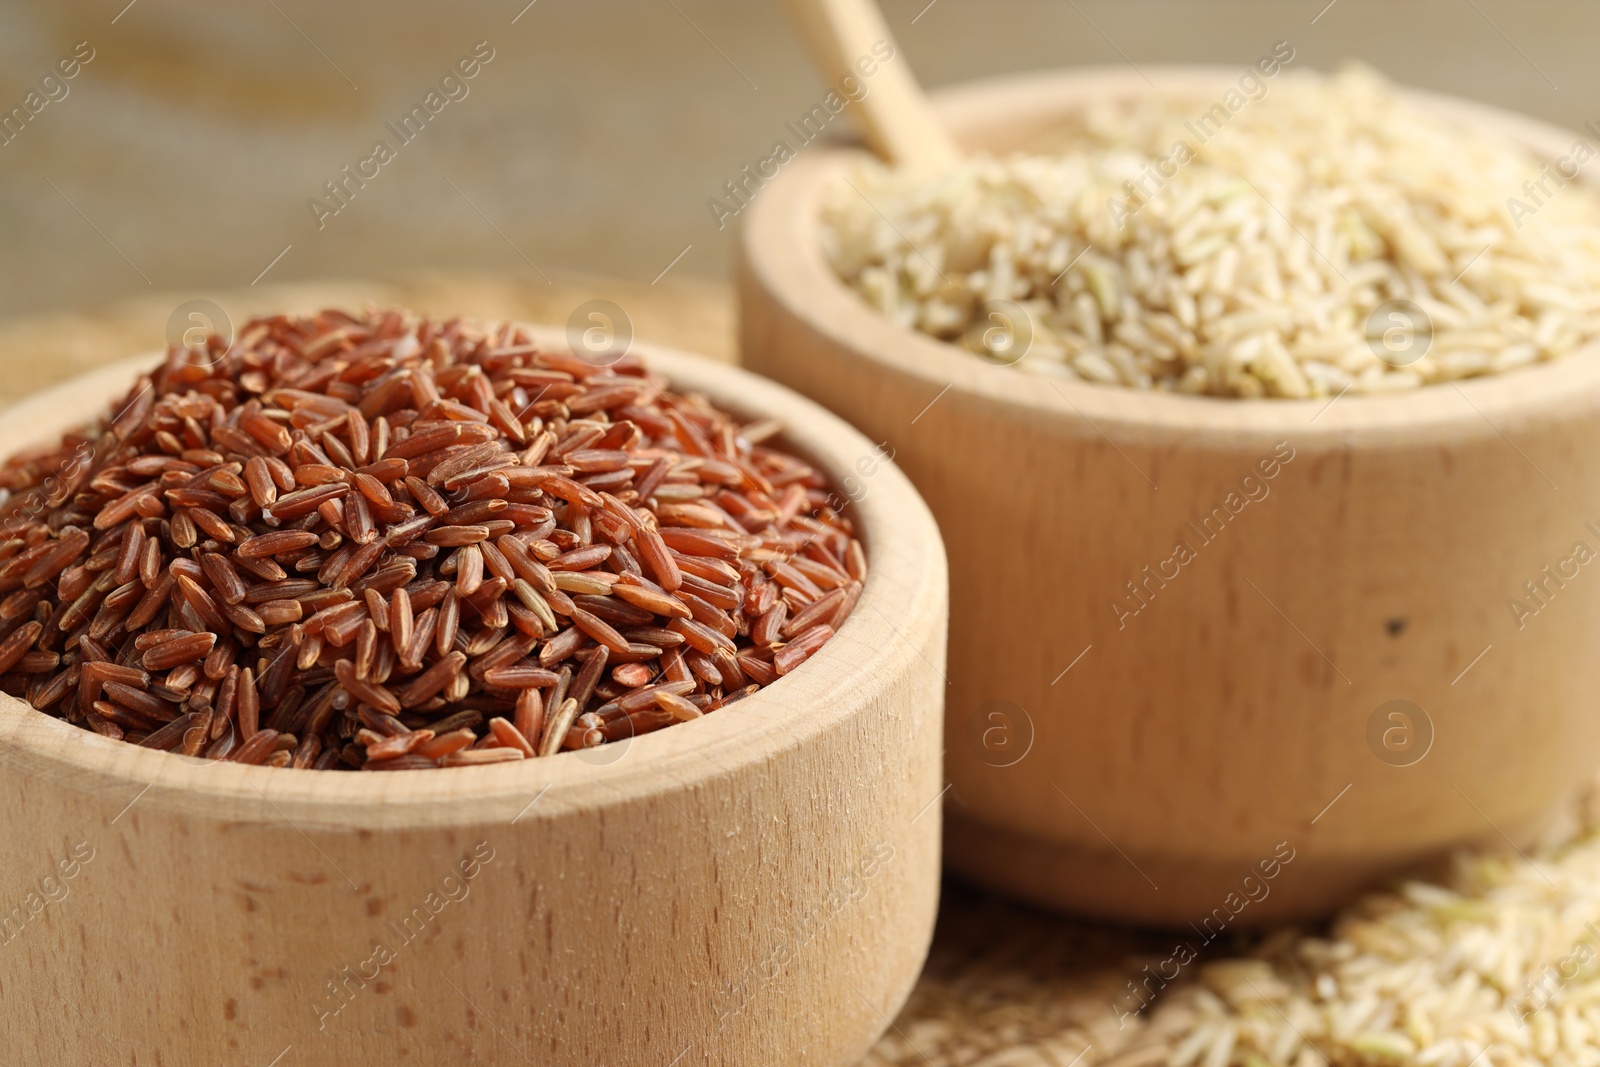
<point x="378" y="542"/>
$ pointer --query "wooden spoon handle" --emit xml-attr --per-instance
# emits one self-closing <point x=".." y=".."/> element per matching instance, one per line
<point x="847" y="37"/>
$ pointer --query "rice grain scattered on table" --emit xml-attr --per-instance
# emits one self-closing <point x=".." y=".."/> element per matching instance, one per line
<point x="1494" y="963"/>
<point x="381" y="543"/>
<point x="1247" y="264"/>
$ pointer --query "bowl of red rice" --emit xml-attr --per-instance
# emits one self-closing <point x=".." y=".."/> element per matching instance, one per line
<point x="697" y="883"/>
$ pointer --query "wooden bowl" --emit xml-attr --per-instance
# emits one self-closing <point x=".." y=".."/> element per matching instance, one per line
<point x="1143" y="766"/>
<point x="757" y="886"/>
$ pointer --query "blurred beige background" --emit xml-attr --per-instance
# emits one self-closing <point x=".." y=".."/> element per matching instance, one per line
<point x="183" y="156"/>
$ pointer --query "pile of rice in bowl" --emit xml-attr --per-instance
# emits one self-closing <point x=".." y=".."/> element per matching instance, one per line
<point x="379" y="542"/>
<point x="1327" y="235"/>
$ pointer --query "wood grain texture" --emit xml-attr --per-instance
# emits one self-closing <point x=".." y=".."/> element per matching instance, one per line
<point x="1231" y="712"/>
<point x="754" y="887"/>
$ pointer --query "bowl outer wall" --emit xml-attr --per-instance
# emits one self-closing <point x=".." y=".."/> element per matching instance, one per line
<point x="710" y="881"/>
<point x="1226" y="716"/>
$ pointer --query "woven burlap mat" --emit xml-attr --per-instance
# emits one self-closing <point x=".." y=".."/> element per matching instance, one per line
<point x="1005" y="985"/>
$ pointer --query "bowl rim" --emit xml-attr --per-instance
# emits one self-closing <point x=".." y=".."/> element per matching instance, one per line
<point x="779" y="254"/>
<point x="906" y="579"/>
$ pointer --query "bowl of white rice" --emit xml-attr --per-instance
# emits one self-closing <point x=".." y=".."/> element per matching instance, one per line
<point x="1260" y="411"/>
